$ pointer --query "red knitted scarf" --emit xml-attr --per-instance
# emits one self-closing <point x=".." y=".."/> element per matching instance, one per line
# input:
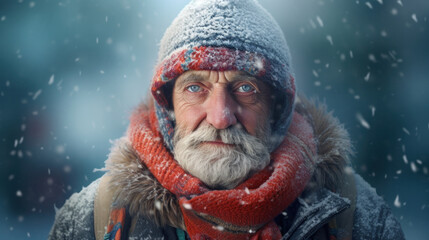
<point x="246" y="212"/>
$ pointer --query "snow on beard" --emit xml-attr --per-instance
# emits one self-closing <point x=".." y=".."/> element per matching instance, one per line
<point x="222" y="166"/>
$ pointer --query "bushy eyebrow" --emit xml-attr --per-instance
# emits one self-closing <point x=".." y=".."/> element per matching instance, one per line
<point x="192" y="77"/>
<point x="244" y="76"/>
<point x="195" y="77"/>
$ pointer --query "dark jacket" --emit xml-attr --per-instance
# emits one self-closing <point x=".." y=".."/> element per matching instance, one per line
<point x="336" y="199"/>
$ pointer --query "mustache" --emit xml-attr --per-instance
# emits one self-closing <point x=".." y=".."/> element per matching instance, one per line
<point x="232" y="135"/>
<point x="235" y="135"/>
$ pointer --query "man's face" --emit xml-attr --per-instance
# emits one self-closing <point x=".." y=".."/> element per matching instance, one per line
<point x="220" y="99"/>
<point x="222" y="125"/>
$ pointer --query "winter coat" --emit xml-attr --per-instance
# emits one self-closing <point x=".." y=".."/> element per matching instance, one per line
<point x="336" y="199"/>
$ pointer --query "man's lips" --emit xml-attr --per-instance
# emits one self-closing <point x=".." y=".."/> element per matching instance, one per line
<point x="218" y="142"/>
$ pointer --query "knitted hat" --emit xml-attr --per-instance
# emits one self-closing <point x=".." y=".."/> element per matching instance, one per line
<point x="225" y="35"/>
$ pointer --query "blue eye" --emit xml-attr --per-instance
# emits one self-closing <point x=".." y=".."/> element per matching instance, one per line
<point x="245" y="88"/>
<point x="194" y="88"/>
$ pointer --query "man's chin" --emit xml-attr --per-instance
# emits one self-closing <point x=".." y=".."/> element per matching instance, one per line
<point x="223" y="185"/>
<point x="218" y="172"/>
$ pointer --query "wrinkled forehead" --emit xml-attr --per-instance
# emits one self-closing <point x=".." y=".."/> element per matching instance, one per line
<point x="214" y="76"/>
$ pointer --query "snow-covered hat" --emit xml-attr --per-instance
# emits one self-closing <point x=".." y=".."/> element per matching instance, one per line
<point x="225" y="35"/>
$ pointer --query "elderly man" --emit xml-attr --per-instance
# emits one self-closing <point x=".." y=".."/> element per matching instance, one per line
<point x="224" y="149"/>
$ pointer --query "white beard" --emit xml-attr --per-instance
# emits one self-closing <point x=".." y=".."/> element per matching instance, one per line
<point x="222" y="167"/>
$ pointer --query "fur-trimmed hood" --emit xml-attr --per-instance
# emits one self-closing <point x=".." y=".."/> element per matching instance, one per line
<point x="134" y="186"/>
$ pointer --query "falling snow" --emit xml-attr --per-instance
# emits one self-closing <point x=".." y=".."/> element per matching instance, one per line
<point x="37" y="94"/>
<point x="319" y="20"/>
<point x="397" y="203"/>
<point x="367" y="76"/>
<point x="219" y="228"/>
<point x="404" y="157"/>
<point x="414" y="17"/>
<point x="51" y="79"/>
<point x="362" y="121"/>
<point x="372" y="58"/>
<point x="19" y="193"/>
<point x="368" y="4"/>
<point x="413" y="167"/>
<point x="158" y="205"/>
<point x="329" y="38"/>
<point x="187" y="206"/>
<point x="315" y="73"/>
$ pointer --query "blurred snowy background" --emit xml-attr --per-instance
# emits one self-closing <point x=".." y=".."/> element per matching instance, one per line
<point x="72" y="70"/>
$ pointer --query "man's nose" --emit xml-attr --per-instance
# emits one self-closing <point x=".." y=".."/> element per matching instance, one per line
<point x="221" y="109"/>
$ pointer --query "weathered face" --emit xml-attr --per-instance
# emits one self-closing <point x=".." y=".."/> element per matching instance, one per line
<point x="222" y="126"/>
<point x="220" y="99"/>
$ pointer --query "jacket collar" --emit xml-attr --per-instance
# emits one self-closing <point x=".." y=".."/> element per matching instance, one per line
<point x="319" y="206"/>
